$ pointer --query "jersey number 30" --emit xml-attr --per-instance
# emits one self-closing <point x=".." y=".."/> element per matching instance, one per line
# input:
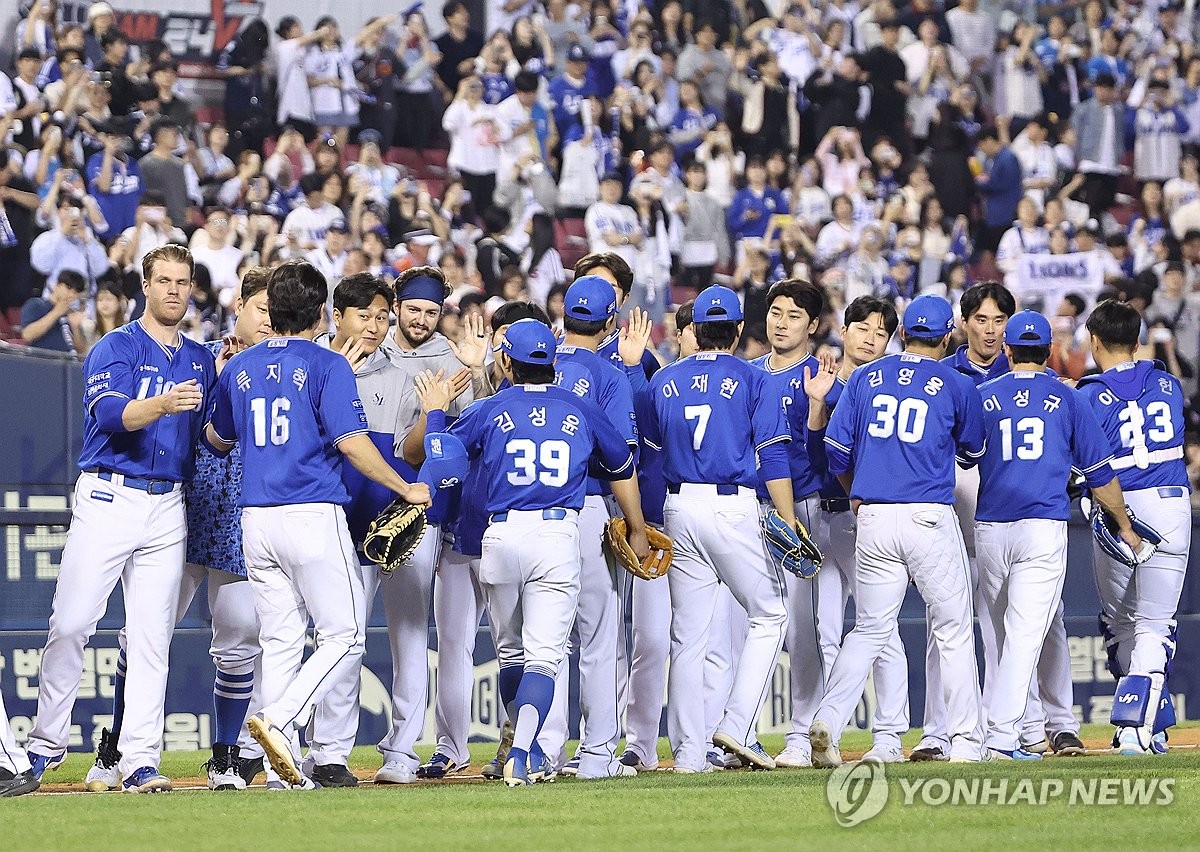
<point x="903" y="417"/>
<point x="552" y="457"/>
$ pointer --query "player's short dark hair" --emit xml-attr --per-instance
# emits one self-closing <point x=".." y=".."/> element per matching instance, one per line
<point x="683" y="314"/>
<point x="1030" y="354"/>
<point x="611" y="261"/>
<point x="359" y="291"/>
<point x="254" y="281"/>
<point x="1116" y="324"/>
<point x="510" y="312"/>
<point x="296" y="294"/>
<point x="72" y="279"/>
<point x="974" y="296"/>
<point x="809" y="297"/>
<point x="864" y="306"/>
<point x="171" y="253"/>
<point x="586" y="328"/>
<point x="720" y="335"/>
<point x="531" y="374"/>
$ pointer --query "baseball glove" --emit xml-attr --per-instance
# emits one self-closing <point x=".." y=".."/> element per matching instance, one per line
<point x="394" y="534"/>
<point x="792" y="549"/>
<point x="1104" y="530"/>
<point x="656" y="563"/>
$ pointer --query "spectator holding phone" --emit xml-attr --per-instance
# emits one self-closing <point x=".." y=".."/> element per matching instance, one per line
<point x="54" y="322"/>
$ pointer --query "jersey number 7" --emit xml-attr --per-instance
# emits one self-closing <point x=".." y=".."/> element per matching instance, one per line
<point x="700" y="414"/>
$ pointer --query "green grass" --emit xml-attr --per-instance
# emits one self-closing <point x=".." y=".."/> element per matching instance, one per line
<point x="731" y="810"/>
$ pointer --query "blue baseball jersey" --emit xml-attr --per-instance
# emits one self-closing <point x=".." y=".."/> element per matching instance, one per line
<point x="128" y="364"/>
<point x="973" y="371"/>
<point x="537" y="443"/>
<point x="569" y="100"/>
<point x="1038" y="431"/>
<point x="898" y="425"/>
<point x="211" y="497"/>
<point x="789" y="387"/>
<point x="1140" y="406"/>
<point x="288" y="402"/>
<point x="471" y="519"/>
<point x="703" y="409"/>
<point x="651" y="485"/>
<point x="587" y="375"/>
<point x="830" y="488"/>
<point x="639" y="375"/>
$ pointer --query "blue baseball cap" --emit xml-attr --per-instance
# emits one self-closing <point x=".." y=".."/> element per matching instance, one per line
<point x="1027" y="328"/>
<point x="717" y="304"/>
<point x="929" y="317"/>
<point x="445" y="461"/>
<point x="530" y="341"/>
<point x="590" y="298"/>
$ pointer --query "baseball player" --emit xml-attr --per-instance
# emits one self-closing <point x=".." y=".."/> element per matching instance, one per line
<point x="214" y="539"/>
<point x="361" y="314"/>
<point x="985" y="309"/>
<point x="625" y="347"/>
<point x="703" y="408"/>
<point x="1140" y="407"/>
<point x="869" y="325"/>
<point x="457" y="597"/>
<point x="1038" y="429"/>
<point x="538" y="438"/>
<point x="793" y="312"/>
<point x="16" y="773"/>
<point x="294" y="408"/>
<point x="144" y="403"/>
<point x="892" y="440"/>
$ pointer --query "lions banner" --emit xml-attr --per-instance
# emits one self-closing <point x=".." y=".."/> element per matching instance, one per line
<point x="1045" y="278"/>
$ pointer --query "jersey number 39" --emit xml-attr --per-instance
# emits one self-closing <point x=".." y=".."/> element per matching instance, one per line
<point x="548" y="462"/>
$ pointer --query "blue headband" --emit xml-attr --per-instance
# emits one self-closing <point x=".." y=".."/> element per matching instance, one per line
<point x="422" y="287"/>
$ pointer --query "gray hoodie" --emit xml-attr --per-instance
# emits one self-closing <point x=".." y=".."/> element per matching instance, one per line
<point x="434" y="354"/>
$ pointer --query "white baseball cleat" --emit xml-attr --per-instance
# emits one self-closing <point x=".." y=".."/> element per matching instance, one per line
<point x="104" y="774"/>
<point x="1129" y="742"/>
<point x="750" y="755"/>
<point x="794" y="757"/>
<point x="685" y="770"/>
<point x="884" y="754"/>
<point x="277" y="748"/>
<point x="825" y="755"/>
<point x="395" y="772"/>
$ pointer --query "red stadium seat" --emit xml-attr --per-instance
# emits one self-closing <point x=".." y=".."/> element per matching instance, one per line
<point x="570" y="238"/>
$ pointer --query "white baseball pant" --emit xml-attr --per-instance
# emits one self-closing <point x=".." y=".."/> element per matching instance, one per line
<point x="647" y="683"/>
<point x="835" y="535"/>
<point x="12" y="756"/>
<point x="531" y="592"/>
<point x="718" y="539"/>
<point x="726" y="640"/>
<point x="1139" y="604"/>
<point x="921" y="542"/>
<point x="405" y="594"/>
<point x="301" y="563"/>
<point x="803" y="637"/>
<point x="117" y="533"/>
<point x="1022" y="566"/>
<point x="1050" y="709"/>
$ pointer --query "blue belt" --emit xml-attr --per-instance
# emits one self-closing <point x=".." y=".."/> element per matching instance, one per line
<point x="547" y="515"/>
<point x="150" y="486"/>
<point x="1175" y="491"/>
<point x="722" y="490"/>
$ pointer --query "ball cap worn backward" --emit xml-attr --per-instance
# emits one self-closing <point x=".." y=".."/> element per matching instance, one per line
<point x="530" y="341"/>
<point x="445" y="461"/>
<point x="717" y="304"/>
<point x="929" y="317"/>
<point x="1027" y="328"/>
<point x="590" y="298"/>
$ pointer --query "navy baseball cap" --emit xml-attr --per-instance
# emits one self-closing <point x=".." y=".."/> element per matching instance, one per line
<point x="1027" y="328"/>
<point x="445" y="461"/>
<point x="717" y="304"/>
<point x="928" y="317"/>
<point x="590" y="298"/>
<point x="530" y="341"/>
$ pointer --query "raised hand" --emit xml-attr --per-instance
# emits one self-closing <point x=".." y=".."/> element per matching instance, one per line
<point x="230" y="346"/>
<point x="635" y="337"/>
<point x="353" y="352"/>
<point x="473" y="349"/>
<point x="818" y="384"/>
<point x="433" y="391"/>
<point x="185" y="396"/>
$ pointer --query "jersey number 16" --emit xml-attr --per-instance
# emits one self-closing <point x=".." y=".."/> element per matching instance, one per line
<point x="278" y="423"/>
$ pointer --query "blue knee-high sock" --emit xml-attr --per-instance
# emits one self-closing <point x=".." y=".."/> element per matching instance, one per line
<point x="231" y="702"/>
<point x="534" y="697"/>
<point x="118" y="697"/>
<point x="510" y="680"/>
<point x="1165" y="716"/>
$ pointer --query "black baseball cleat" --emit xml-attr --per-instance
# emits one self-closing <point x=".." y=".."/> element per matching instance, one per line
<point x="250" y="768"/>
<point x="17" y="785"/>
<point x="1067" y="744"/>
<point x="928" y="753"/>
<point x="333" y="775"/>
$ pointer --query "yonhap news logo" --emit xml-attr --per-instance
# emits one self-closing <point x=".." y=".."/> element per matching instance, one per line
<point x="858" y="792"/>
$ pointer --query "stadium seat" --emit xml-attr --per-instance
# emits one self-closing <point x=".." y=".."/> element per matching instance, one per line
<point x="570" y="238"/>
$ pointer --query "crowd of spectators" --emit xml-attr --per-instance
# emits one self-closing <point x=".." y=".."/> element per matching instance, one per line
<point x="878" y="147"/>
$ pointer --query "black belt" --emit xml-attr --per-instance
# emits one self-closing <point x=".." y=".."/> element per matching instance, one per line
<point x="835" y="505"/>
<point x="722" y="490"/>
<point x="150" y="486"/>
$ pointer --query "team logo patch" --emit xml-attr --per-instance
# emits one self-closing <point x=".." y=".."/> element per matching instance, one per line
<point x="379" y="399"/>
<point x="102" y="496"/>
<point x="196" y="365"/>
